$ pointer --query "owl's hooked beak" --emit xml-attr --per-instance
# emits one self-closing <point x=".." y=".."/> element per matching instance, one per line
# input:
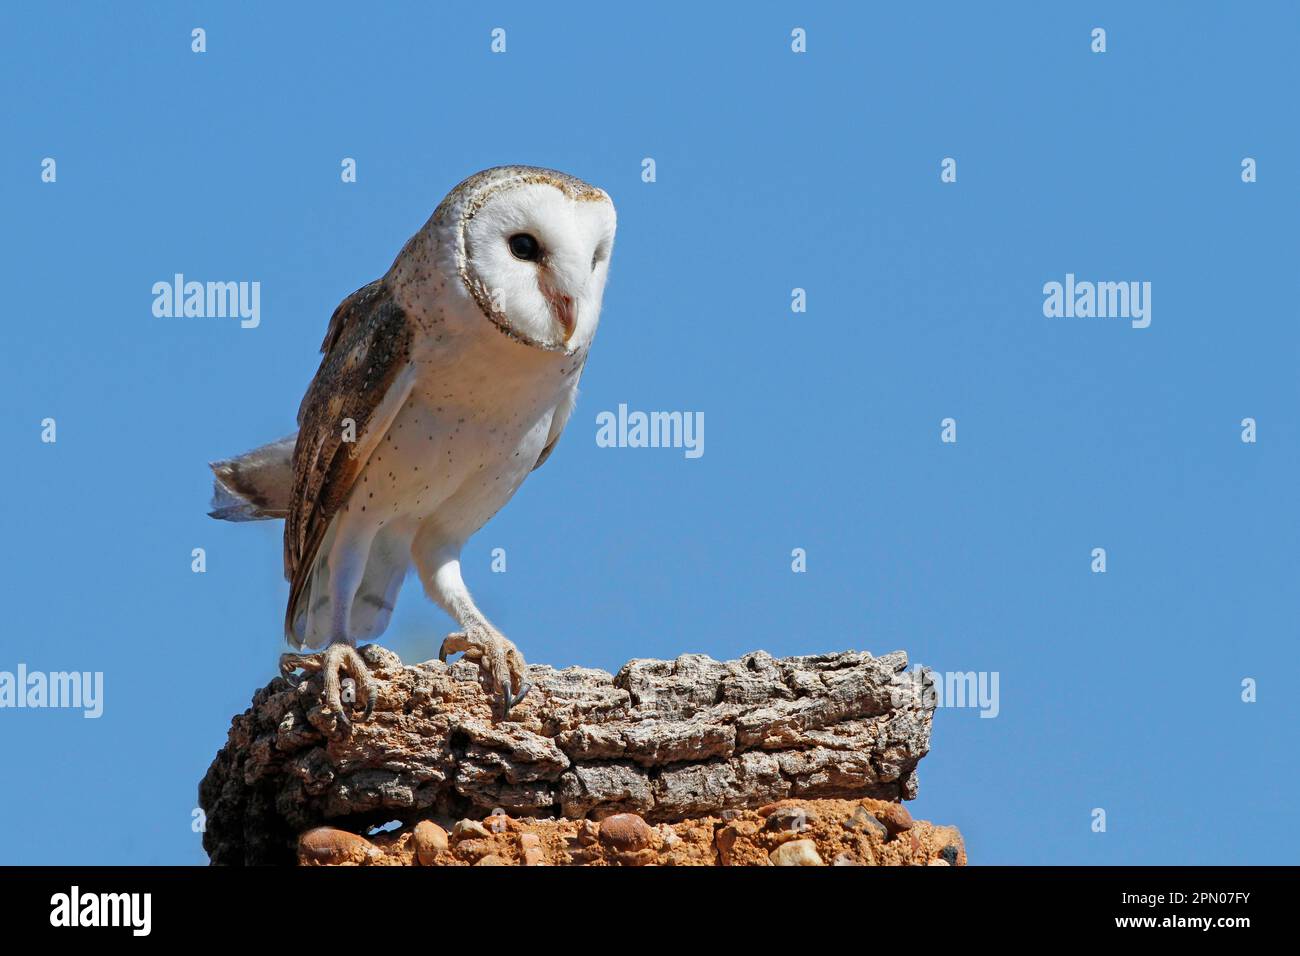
<point x="561" y="308"/>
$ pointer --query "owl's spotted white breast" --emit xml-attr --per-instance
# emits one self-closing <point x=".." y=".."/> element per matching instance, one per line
<point x="455" y="374"/>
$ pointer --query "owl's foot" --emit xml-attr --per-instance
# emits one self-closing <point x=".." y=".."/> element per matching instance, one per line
<point x="335" y="662"/>
<point x="501" y="666"/>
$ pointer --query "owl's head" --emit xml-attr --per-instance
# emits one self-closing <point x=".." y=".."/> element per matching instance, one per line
<point x="532" y="247"/>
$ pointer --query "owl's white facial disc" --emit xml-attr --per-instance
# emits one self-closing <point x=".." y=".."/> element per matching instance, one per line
<point x="537" y="258"/>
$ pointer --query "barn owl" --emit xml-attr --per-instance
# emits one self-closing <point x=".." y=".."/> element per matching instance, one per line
<point x="443" y="384"/>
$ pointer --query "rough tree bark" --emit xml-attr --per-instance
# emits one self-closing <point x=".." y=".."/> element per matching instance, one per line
<point x="666" y="739"/>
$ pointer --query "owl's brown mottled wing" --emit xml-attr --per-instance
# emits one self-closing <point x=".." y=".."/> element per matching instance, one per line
<point x="365" y="376"/>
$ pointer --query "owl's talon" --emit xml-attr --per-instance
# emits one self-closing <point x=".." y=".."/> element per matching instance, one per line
<point x="334" y="662"/>
<point x="514" y="699"/>
<point x="501" y="666"/>
<point x="446" y="647"/>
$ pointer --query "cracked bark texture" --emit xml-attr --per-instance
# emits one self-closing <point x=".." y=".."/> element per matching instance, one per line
<point x="669" y="740"/>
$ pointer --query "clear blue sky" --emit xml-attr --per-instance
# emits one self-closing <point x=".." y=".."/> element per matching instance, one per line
<point x="775" y="170"/>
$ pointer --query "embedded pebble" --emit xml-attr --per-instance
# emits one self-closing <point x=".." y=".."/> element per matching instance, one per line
<point x="469" y="829"/>
<point x="626" y="831"/>
<point x="475" y="849"/>
<point x="796" y="853"/>
<point x="430" y="842"/>
<point x="895" y="818"/>
<point x="862" y="819"/>
<point x="723" y="841"/>
<point x="331" y="847"/>
<point x="790" y="818"/>
<point x="588" y="831"/>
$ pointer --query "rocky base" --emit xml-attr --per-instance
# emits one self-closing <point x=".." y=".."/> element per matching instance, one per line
<point x="786" y="833"/>
<point x="674" y="742"/>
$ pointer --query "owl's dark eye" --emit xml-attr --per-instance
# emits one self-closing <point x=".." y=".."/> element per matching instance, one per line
<point x="523" y="246"/>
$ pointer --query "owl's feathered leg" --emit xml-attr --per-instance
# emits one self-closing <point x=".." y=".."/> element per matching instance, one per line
<point x="349" y="552"/>
<point x="333" y="662"/>
<point x="501" y="666"/>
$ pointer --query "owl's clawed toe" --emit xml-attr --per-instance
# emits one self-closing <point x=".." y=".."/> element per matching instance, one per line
<point x="514" y="698"/>
<point x="502" y="668"/>
<point x="335" y="662"/>
<point x="452" y="644"/>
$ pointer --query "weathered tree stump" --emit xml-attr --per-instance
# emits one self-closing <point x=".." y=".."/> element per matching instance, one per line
<point x="668" y="740"/>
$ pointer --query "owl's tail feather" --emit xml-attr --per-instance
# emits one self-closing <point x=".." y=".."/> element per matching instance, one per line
<point x="256" y="485"/>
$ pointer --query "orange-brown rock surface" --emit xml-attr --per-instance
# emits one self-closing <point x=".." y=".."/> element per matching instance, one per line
<point x="787" y="833"/>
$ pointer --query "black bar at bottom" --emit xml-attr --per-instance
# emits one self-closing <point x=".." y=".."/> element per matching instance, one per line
<point x="363" y="905"/>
